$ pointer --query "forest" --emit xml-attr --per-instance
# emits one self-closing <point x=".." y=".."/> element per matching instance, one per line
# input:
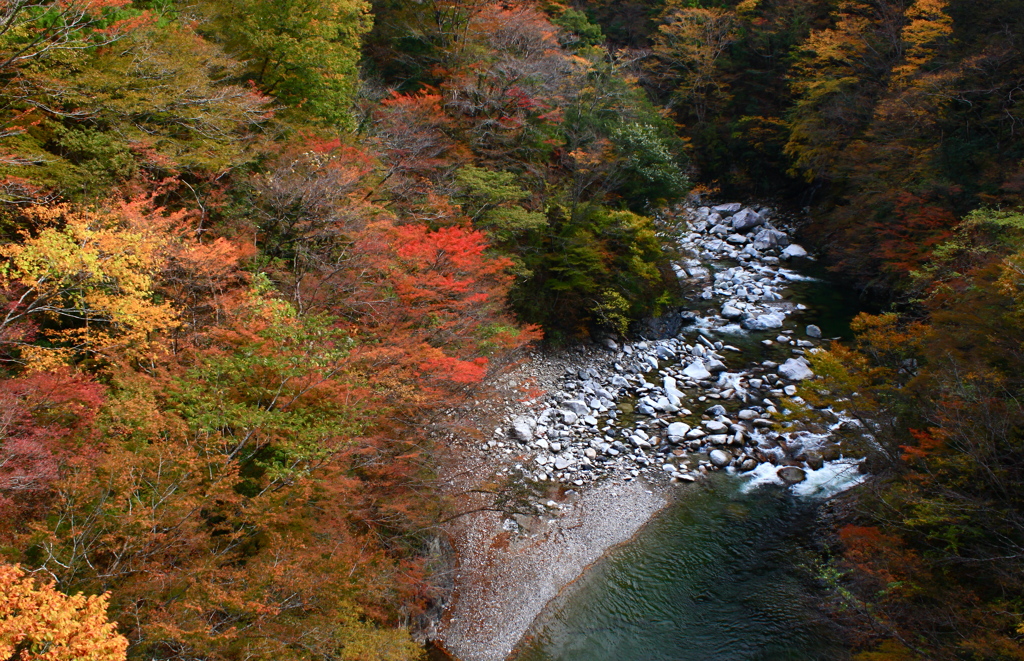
<point x="253" y="249"/>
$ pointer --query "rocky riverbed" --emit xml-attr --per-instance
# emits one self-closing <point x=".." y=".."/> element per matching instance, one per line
<point x="625" y="420"/>
<point x="675" y="405"/>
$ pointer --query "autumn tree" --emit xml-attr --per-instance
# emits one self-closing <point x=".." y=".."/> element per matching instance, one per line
<point x="37" y="622"/>
<point x="83" y="280"/>
<point x="303" y="52"/>
<point x="689" y="43"/>
<point x="46" y="423"/>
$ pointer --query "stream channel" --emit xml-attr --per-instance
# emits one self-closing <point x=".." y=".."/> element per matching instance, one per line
<point x="724" y="573"/>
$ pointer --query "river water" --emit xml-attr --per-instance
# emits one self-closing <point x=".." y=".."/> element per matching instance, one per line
<point x="725" y="573"/>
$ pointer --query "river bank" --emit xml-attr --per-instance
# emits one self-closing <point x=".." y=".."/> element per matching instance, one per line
<point x="620" y="423"/>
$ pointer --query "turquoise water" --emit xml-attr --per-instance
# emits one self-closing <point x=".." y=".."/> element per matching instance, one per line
<point x="720" y="574"/>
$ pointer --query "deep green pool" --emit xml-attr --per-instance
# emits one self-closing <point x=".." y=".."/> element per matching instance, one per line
<point x="720" y="575"/>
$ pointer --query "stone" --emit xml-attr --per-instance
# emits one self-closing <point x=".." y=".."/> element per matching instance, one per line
<point x="737" y="239"/>
<point x="813" y="331"/>
<point x="748" y="464"/>
<point x="569" y="418"/>
<point x="815" y="461"/>
<point x="522" y="428"/>
<point x="714" y="365"/>
<point x="720" y="458"/>
<point x="791" y="474"/>
<point x="716" y="410"/>
<point x="790" y="391"/>
<point x="763" y="322"/>
<point x="678" y="430"/>
<point x="555" y="447"/>
<point x="697" y="371"/>
<point x="561" y="463"/>
<point x="793" y="250"/>
<point x="590" y="453"/>
<point x="619" y="382"/>
<point x="727" y="209"/>
<point x="796" y="369"/>
<point x="765" y="239"/>
<point x="694" y="434"/>
<point x="610" y="344"/>
<point x="578" y="407"/>
<point x="746" y="220"/>
<point x="730" y="312"/>
<point x="746" y="414"/>
<point x="715" y="426"/>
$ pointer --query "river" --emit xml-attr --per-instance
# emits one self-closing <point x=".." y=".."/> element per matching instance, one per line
<point x="724" y="573"/>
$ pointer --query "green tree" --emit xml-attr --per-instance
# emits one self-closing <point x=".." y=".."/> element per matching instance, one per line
<point x="304" y="52"/>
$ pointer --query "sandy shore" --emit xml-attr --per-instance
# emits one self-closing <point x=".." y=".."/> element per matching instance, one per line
<point x="505" y="578"/>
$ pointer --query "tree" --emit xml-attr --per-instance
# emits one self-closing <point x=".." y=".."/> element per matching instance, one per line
<point x="488" y="198"/>
<point x="303" y="52"/>
<point x="38" y="623"/>
<point x="689" y="43"/>
<point x="45" y="422"/>
<point x="84" y="281"/>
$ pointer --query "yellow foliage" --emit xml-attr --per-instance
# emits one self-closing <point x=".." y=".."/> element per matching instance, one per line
<point x="928" y="25"/>
<point x="42" y="624"/>
<point x="86" y="279"/>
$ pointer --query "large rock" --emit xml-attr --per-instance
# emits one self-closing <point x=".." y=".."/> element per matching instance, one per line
<point x="765" y="239"/>
<point x="714" y="426"/>
<point x="729" y="312"/>
<point x="813" y="331"/>
<point x="697" y="371"/>
<point x="796" y="369"/>
<point x="677" y="430"/>
<point x="727" y="209"/>
<point x="646" y="409"/>
<point x="746" y="220"/>
<point x="791" y="474"/>
<point x="522" y="428"/>
<point x="578" y="407"/>
<point x="793" y="250"/>
<point x="766" y="321"/>
<point x="715" y="365"/>
<point x="721" y="458"/>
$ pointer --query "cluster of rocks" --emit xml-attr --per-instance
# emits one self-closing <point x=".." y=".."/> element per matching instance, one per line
<point x="752" y="290"/>
<point x="631" y="409"/>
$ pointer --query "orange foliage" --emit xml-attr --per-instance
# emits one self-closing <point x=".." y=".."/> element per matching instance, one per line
<point x="38" y="623"/>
